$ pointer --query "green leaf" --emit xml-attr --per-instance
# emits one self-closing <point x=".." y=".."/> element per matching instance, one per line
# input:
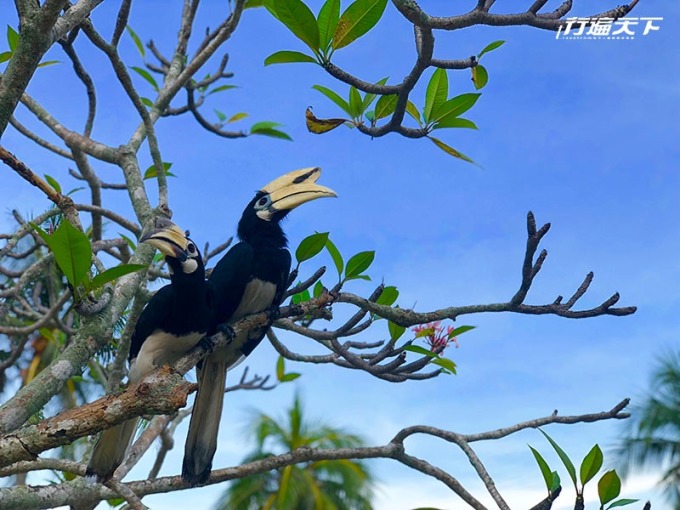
<point x="290" y="376"/>
<point x="221" y="88"/>
<point x="369" y="98"/>
<point x="129" y="241"/>
<point x="280" y="368"/>
<point x="5" y="56"/>
<point x="150" y="172"/>
<point x="318" y="289"/>
<point x="480" y="76"/>
<point x="71" y="192"/>
<point x="72" y="252"/>
<point x="310" y="246"/>
<point x="204" y="87"/>
<point x="49" y="63"/>
<point x="450" y="150"/>
<point x="425" y="332"/>
<point x="265" y="124"/>
<point x="236" y="116"/>
<point x="355" y="102"/>
<point x="147" y="102"/>
<point x="609" y="487"/>
<point x="358" y="264"/>
<point x="454" y="106"/>
<point x="591" y="464"/>
<point x="385" y="106"/>
<point x="448" y="365"/>
<point x="388" y="296"/>
<point x="53" y="182"/>
<point x="460" y="330"/>
<point x="269" y="5"/>
<point x="47" y="333"/>
<point x="301" y="297"/>
<point x="563" y="457"/>
<point x="335" y="255"/>
<point x="147" y="76"/>
<point x="436" y="94"/>
<point x="455" y="122"/>
<point x="412" y="110"/>
<point x="622" y="502"/>
<point x="396" y="331"/>
<point x="287" y="56"/>
<point x="71" y="249"/>
<point x="490" y="47"/>
<point x="358" y="18"/>
<point x="12" y="38"/>
<point x="274" y="133"/>
<point x="299" y="20"/>
<point x="137" y="41"/>
<point x="221" y="116"/>
<point x="251" y="4"/>
<point x="335" y="97"/>
<point x="543" y="466"/>
<point x="43" y="235"/>
<point x="420" y="350"/>
<point x="555" y="482"/>
<point x="114" y="273"/>
<point x="328" y="21"/>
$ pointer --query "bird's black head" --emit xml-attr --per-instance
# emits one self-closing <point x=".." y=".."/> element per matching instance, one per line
<point x="181" y="254"/>
<point x="261" y="218"/>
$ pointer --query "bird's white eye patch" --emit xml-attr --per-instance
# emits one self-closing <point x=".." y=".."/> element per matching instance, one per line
<point x="263" y="203"/>
<point x="191" y="248"/>
<point x="189" y="266"/>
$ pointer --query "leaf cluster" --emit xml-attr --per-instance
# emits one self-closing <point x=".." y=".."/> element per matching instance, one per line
<point x="608" y="486"/>
<point x="73" y="254"/>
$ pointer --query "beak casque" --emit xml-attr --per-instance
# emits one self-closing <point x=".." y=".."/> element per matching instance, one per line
<point x="296" y="188"/>
<point x="168" y="238"/>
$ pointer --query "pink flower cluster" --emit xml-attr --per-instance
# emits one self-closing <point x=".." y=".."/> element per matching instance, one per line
<point x="435" y="335"/>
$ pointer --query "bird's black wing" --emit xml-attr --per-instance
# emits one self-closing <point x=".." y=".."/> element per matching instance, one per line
<point x="277" y="271"/>
<point x="228" y="281"/>
<point x="284" y="273"/>
<point x="153" y="315"/>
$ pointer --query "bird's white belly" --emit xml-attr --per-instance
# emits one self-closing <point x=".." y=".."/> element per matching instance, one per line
<point x="257" y="297"/>
<point x="160" y="348"/>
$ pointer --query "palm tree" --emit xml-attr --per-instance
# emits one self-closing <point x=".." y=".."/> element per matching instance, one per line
<point x="320" y="485"/>
<point x="652" y="437"/>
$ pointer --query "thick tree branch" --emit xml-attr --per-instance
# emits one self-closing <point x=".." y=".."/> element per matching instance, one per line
<point x="67" y="493"/>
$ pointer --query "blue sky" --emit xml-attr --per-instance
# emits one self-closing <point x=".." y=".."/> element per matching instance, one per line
<point x="583" y="133"/>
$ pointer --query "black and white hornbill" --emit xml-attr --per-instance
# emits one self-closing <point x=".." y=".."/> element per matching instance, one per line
<point x="251" y="277"/>
<point x="172" y="322"/>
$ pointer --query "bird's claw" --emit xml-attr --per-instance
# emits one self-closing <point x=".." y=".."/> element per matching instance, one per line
<point x="206" y="343"/>
<point x="227" y="331"/>
<point x="273" y="313"/>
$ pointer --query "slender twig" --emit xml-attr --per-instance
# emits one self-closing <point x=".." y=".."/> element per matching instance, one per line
<point x="40" y="141"/>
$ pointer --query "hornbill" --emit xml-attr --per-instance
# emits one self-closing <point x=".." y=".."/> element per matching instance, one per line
<point x="251" y="277"/>
<point x="172" y="322"/>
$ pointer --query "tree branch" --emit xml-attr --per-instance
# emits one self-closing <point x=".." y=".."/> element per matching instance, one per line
<point x="67" y="493"/>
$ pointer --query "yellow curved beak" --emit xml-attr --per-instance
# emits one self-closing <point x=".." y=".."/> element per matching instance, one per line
<point x="168" y="238"/>
<point x="296" y="188"/>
